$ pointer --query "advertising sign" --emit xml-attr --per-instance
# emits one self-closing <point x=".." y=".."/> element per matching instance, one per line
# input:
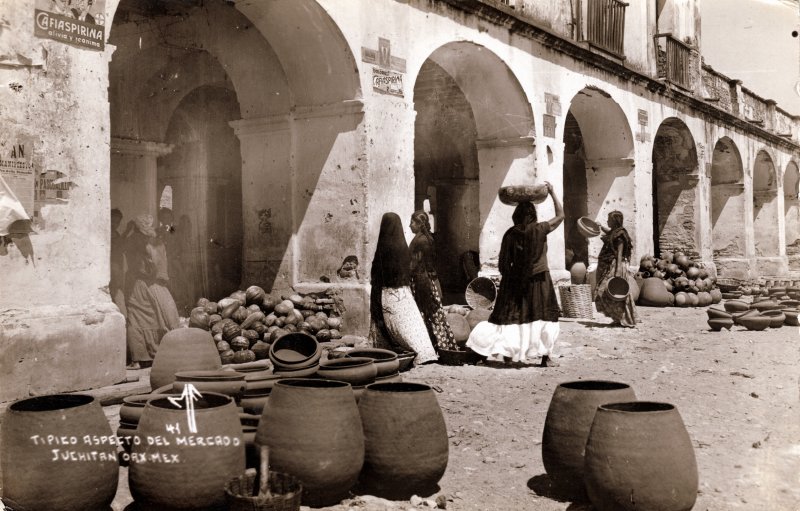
<point x="78" y="23"/>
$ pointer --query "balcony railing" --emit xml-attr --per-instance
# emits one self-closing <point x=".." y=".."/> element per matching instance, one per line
<point x="604" y="25"/>
<point x="673" y="60"/>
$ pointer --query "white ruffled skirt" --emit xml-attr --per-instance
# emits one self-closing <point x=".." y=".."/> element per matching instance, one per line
<point x="517" y="342"/>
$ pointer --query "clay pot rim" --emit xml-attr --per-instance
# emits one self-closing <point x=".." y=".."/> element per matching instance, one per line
<point x="51" y="403"/>
<point x="637" y="407"/>
<point x="311" y="383"/>
<point x="139" y="400"/>
<point x="209" y="402"/>
<point x="598" y="385"/>
<point x="771" y="312"/>
<point x="346" y="363"/>
<point x="378" y="354"/>
<point x="307" y="352"/>
<point x="189" y="376"/>
<point x="398" y="387"/>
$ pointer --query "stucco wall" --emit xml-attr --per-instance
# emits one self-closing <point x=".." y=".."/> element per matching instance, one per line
<point x="45" y="300"/>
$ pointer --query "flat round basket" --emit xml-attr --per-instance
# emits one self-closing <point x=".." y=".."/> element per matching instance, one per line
<point x="513" y="195"/>
<point x="481" y="293"/>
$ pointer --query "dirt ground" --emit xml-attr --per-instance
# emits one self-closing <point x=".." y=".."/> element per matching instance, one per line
<point x="737" y="392"/>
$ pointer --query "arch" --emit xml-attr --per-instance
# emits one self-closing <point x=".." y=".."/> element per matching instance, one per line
<point x="765" y="205"/>
<point x="473" y="132"/>
<point x="727" y="206"/>
<point x="598" y="164"/>
<point x="791" y="208"/>
<point x="675" y="178"/>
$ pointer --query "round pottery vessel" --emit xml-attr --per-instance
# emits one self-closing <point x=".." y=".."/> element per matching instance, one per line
<point x="736" y="306"/>
<point x="566" y="428"/>
<point x="715" y="313"/>
<point x="777" y="318"/>
<point x="39" y="481"/>
<point x="298" y="423"/>
<point x="588" y="227"/>
<point x="229" y="383"/>
<point x="296" y="349"/>
<point x="577" y="273"/>
<point x="196" y="476"/>
<point x="355" y="371"/>
<point x="406" y="440"/>
<point x="259" y="385"/>
<point x="459" y="325"/>
<point x="385" y="360"/>
<point x="790" y="304"/>
<point x="405" y="361"/>
<point x="791" y="317"/>
<point x="639" y="456"/>
<point x="183" y="349"/>
<point x="755" y="322"/>
<point x="718" y="324"/>
<point x="249" y="367"/>
<point x="766" y="305"/>
<point x="255" y="403"/>
<point x="737" y="316"/>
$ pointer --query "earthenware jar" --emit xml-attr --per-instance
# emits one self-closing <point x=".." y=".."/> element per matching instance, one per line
<point x="182" y="460"/>
<point x="717" y="324"/>
<point x="566" y="428"/>
<point x="385" y="360"/>
<point x="295" y="351"/>
<point x="358" y="371"/>
<point x="577" y="273"/>
<point x="229" y="383"/>
<point x="183" y="349"/>
<point x="313" y="431"/>
<point x="639" y="456"/>
<point x="406" y="440"/>
<point x="65" y="474"/>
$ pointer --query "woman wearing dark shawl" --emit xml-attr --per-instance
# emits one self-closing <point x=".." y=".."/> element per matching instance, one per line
<point x="612" y="262"/>
<point x="395" y="318"/>
<point x="425" y="283"/>
<point x="524" y="322"/>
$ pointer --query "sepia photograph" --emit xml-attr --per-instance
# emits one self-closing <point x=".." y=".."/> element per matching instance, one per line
<point x="399" y="255"/>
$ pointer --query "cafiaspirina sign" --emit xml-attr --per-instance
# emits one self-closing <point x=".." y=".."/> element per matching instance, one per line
<point x="80" y="23"/>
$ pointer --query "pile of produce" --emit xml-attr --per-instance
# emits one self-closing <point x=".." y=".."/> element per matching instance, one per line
<point x="246" y="323"/>
<point x="687" y="281"/>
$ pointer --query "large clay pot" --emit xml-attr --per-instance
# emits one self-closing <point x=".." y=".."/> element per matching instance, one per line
<point x="174" y="469"/>
<point x="653" y="293"/>
<point x="72" y="479"/>
<point x="313" y="431"/>
<point x="475" y="316"/>
<point x="406" y="440"/>
<point x="183" y="349"/>
<point x="296" y="350"/>
<point x="639" y="456"/>
<point x="566" y="428"/>
<point x="459" y="325"/>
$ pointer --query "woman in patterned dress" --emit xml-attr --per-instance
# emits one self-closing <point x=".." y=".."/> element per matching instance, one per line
<point x="425" y="283"/>
<point x="395" y="318"/>
<point x="524" y="321"/>
<point x="613" y="262"/>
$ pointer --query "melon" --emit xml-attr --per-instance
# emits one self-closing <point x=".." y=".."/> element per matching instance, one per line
<point x="254" y="295"/>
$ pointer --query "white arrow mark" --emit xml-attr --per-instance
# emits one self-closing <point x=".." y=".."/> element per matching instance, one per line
<point x="189" y="395"/>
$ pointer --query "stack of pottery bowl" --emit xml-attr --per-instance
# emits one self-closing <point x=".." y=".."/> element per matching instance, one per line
<point x="228" y="383"/>
<point x="791" y="317"/>
<point x="754" y="321"/>
<point x="295" y="355"/>
<point x="719" y="319"/>
<point x="357" y="371"/>
<point x="386" y="363"/>
<point x="734" y="306"/>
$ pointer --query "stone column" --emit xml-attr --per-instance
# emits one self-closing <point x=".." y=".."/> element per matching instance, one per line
<point x="134" y="176"/>
<point x="266" y="146"/>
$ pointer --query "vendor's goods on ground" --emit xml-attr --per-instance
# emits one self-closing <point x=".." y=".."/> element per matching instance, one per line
<point x="675" y="279"/>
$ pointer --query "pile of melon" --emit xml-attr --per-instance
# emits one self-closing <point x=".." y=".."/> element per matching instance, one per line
<point x="686" y="280"/>
<point x="246" y="323"/>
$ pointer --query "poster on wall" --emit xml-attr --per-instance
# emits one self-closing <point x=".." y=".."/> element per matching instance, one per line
<point x="78" y="23"/>
<point x="387" y="82"/>
<point x="17" y="169"/>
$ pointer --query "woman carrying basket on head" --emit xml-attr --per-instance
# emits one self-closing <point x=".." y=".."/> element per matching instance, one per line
<point x="613" y="262"/>
<point x="524" y="322"/>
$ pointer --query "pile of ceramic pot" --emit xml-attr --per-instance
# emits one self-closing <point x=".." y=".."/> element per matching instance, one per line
<point x="773" y="309"/>
<point x="599" y="443"/>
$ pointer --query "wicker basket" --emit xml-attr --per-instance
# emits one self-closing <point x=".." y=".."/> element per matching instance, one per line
<point x="576" y="301"/>
<point x="242" y="493"/>
<point x="727" y="285"/>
